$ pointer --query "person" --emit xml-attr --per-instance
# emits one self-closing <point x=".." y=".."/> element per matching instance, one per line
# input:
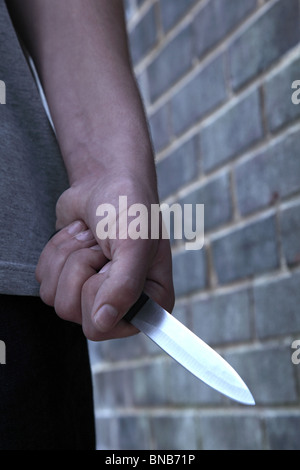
<point x="85" y="284"/>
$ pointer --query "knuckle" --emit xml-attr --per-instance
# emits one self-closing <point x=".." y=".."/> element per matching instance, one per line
<point x="63" y="202"/>
<point x="77" y="258"/>
<point x="61" y="309"/>
<point x="62" y="250"/>
<point x="88" y="289"/>
<point x="72" y="265"/>
<point x="66" y="310"/>
<point x="46" y="295"/>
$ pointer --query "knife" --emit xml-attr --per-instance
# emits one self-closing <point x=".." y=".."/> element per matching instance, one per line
<point x="187" y="349"/>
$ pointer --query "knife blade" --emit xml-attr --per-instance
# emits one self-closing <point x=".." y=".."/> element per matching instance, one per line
<point x="188" y="349"/>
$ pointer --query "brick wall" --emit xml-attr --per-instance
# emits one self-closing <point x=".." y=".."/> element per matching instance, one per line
<point x="216" y="77"/>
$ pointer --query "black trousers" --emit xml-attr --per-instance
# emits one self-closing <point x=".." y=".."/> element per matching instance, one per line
<point x="46" y="400"/>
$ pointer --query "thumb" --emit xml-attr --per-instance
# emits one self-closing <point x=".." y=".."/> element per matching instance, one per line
<point x="122" y="284"/>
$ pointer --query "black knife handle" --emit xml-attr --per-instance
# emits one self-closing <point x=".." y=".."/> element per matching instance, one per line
<point x="136" y="307"/>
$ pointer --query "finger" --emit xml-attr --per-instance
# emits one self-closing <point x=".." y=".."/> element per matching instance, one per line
<point x="54" y="241"/>
<point x="56" y="252"/>
<point x="159" y="284"/>
<point x="121" y="285"/>
<point x="80" y="266"/>
<point x="91" y="331"/>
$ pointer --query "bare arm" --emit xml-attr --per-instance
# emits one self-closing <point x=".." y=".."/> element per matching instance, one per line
<point x="81" y="54"/>
<point x="80" y="51"/>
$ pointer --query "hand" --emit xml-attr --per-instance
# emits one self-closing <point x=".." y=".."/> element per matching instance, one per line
<point x="69" y="265"/>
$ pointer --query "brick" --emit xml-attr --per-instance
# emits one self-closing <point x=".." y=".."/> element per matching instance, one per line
<point x="149" y="383"/>
<point x="180" y="312"/>
<point x="199" y="96"/>
<point x="112" y="388"/>
<point x="143" y="37"/>
<point x="223" y="318"/>
<point x="296" y="366"/>
<point x="290" y="234"/>
<point x="160" y="128"/>
<point x="280" y="110"/>
<point x="264" y="41"/>
<point x="174" y="432"/>
<point x="277" y="307"/>
<point x="271" y="175"/>
<point x="269" y="374"/>
<point x="124" y="348"/>
<point x="215" y="195"/>
<point x="230" y="432"/>
<point x="184" y="389"/>
<point x="231" y="133"/>
<point x="189" y="272"/>
<point x="95" y="352"/>
<point x="142" y="83"/>
<point x="173" y="62"/>
<point x="143" y="385"/>
<point x="177" y="169"/>
<point x="216" y="19"/>
<point x="133" y="432"/>
<point x="283" y="432"/>
<point x="246" y="252"/>
<point x="106" y="433"/>
<point x="129" y="9"/>
<point x="172" y="12"/>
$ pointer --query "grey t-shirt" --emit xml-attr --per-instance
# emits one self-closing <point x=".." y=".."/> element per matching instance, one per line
<point x="32" y="172"/>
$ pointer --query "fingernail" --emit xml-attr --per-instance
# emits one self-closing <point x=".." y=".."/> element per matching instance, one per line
<point x="104" y="268"/>
<point x="105" y="317"/>
<point x="96" y="248"/>
<point x="85" y="236"/>
<point x="75" y="228"/>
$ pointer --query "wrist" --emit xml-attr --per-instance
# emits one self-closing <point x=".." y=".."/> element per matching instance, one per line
<point x="117" y="157"/>
<point x="109" y="131"/>
<point x="105" y="186"/>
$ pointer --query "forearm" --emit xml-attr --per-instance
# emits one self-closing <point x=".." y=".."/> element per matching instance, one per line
<point x="80" y="51"/>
